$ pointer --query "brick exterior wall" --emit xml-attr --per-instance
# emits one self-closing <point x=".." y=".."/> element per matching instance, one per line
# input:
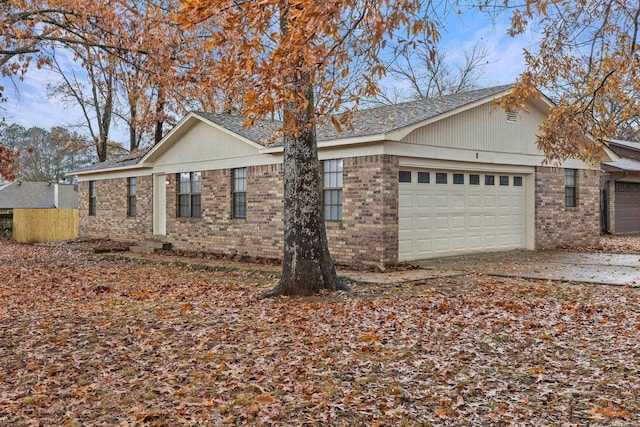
<point x="557" y="225"/>
<point x="366" y="236"/>
<point x="111" y="220"/>
<point x="216" y="231"/>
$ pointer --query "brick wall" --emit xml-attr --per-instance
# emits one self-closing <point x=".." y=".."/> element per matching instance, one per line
<point x="557" y="225"/>
<point x="111" y="220"/>
<point x="216" y="231"/>
<point x="366" y="236"/>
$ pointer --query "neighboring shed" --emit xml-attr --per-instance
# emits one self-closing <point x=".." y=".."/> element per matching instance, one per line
<point x="38" y="211"/>
<point x="620" y="188"/>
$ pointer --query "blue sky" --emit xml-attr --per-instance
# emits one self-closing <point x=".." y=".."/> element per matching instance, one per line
<point x="28" y="104"/>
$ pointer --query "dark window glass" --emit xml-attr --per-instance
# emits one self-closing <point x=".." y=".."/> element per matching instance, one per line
<point x="423" y="177"/>
<point x="458" y="178"/>
<point x="240" y="193"/>
<point x="93" y="196"/>
<point x="517" y="181"/>
<point x="441" y="178"/>
<point x="474" y="179"/>
<point x="189" y="184"/>
<point x="332" y="189"/>
<point x="570" y="194"/>
<point x="131" y="196"/>
<point x="489" y="180"/>
<point x="504" y="180"/>
<point x="404" y="176"/>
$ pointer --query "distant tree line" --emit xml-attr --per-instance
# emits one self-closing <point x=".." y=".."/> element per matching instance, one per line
<point x="45" y="155"/>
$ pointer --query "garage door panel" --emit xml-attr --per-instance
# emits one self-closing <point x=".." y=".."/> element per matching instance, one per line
<point x="441" y="201"/>
<point x="424" y="223"/>
<point x="458" y="222"/>
<point x="442" y="222"/>
<point x="489" y="202"/>
<point x="458" y="201"/>
<point x="474" y="201"/>
<point x="441" y="244"/>
<point x="449" y="219"/>
<point x="475" y="221"/>
<point x="489" y="220"/>
<point x="423" y="201"/>
<point x="627" y="207"/>
<point x="504" y="201"/>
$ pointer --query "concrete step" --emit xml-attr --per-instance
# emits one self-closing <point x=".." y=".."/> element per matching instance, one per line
<point x="149" y="246"/>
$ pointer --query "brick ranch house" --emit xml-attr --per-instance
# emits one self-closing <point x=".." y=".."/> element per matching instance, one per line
<point x="422" y="179"/>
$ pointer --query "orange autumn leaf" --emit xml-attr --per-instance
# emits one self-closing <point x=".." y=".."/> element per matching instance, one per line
<point x="369" y="337"/>
<point x="265" y="398"/>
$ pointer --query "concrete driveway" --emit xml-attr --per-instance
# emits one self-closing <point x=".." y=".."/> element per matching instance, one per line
<point x="613" y="269"/>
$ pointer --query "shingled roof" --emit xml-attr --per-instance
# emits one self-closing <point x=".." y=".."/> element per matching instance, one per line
<point x="367" y="122"/>
<point x="24" y="194"/>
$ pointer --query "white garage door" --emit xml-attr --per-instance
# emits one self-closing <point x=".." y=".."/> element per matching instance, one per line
<point x="444" y="213"/>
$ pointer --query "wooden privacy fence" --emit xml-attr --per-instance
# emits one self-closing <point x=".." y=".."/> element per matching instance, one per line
<point x="44" y="225"/>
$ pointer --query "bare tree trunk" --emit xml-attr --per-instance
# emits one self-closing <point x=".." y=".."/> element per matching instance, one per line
<point x="307" y="265"/>
<point x="159" y="115"/>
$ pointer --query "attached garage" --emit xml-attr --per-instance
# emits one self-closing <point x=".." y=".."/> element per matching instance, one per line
<point x="444" y="212"/>
<point x="627" y="207"/>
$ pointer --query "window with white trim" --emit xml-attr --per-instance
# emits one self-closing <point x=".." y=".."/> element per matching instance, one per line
<point x="332" y="189"/>
<point x="93" y="198"/>
<point x="240" y="193"/>
<point x="189" y="184"/>
<point x="131" y="196"/>
<point x="570" y="193"/>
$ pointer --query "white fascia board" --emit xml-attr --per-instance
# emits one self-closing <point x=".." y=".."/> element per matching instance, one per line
<point x="410" y="162"/>
<point x="333" y="143"/>
<point x="115" y="172"/>
<point x="228" y="163"/>
<point x="422" y="152"/>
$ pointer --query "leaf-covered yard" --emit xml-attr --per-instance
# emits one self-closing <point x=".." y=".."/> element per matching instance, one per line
<point x="95" y="340"/>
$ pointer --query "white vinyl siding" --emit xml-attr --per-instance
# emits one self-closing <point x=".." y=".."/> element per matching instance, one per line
<point x="483" y="128"/>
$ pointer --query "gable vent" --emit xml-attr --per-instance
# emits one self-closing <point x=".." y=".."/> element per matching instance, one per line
<point x="512" y="116"/>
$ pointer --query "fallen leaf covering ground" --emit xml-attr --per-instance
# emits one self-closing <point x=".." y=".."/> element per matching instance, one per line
<point x="93" y="340"/>
<point x="615" y="244"/>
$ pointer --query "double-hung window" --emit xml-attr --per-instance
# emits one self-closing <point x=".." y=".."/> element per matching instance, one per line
<point x="189" y="194"/>
<point x="240" y="193"/>
<point x="332" y="189"/>
<point x="570" y="194"/>
<point x="93" y="196"/>
<point x="131" y="196"/>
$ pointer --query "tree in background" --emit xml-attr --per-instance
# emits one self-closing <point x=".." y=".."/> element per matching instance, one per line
<point x="294" y="57"/>
<point x="45" y="155"/>
<point x="588" y="58"/>
<point x="132" y="60"/>
<point x="431" y="72"/>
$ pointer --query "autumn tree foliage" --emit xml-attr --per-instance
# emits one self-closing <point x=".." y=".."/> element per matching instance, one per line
<point x="8" y="165"/>
<point x="588" y="59"/>
<point x="292" y="58"/>
<point x="132" y="60"/>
